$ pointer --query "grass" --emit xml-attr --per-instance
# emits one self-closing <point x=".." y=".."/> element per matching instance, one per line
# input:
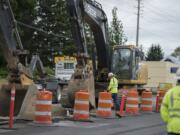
<point x="3" y="73"/>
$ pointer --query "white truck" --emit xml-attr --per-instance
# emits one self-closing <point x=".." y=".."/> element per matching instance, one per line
<point x="64" y="67"/>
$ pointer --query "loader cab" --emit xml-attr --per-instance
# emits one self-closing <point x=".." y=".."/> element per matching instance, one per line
<point x="125" y="62"/>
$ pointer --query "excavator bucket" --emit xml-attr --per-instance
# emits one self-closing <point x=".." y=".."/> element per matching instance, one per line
<point x="24" y="100"/>
<point x="68" y="93"/>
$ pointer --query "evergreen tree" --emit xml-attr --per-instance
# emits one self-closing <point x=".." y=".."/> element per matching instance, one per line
<point x="154" y="53"/>
<point x="24" y="11"/>
<point x="176" y="52"/>
<point x="52" y="17"/>
<point x="117" y="36"/>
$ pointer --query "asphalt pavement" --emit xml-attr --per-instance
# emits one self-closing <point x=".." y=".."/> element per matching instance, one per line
<point x="143" y="124"/>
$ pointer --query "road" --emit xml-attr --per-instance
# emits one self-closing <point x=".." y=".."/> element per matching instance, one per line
<point x="143" y="124"/>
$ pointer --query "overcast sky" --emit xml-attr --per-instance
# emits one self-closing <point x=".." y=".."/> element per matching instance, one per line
<point x="159" y="22"/>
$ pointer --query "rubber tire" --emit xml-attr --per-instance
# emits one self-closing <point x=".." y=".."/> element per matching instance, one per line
<point x="57" y="95"/>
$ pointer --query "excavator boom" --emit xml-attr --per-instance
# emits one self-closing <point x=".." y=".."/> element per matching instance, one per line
<point x="12" y="49"/>
<point x="92" y="13"/>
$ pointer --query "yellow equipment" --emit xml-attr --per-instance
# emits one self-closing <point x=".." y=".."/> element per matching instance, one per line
<point x="127" y="66"/>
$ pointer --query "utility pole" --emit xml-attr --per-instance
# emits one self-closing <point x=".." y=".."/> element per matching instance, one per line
<point x="138" y="19"/>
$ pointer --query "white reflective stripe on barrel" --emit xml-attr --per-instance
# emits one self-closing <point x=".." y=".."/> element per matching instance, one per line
<point x="12" y="98"/>
<point x="132" y="98"/>
<point x="43" y="113"/>
<point x="146" y="105"/>
<point x="134" y="106"/>
<point x="13" y="92"/>
<point x="81" y="102"/>
<point x="105" y="101"/>
<point x="81" y="112"/>
<point x="146" y="99"/>
<point x="104" y="109"/>
<point x="43" y="102"/>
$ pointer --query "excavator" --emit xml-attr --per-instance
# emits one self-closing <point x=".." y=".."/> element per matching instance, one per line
<point x="86" y="77"/>
<point x="123" y="61"/>
<point x="20" y="70"/>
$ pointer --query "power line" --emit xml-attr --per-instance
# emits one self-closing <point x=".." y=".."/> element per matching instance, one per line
<point x="161" y="14"/>
<point x="41" y="30"/>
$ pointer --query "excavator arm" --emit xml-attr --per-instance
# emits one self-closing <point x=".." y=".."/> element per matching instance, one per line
<point x="11" y="46"/>
<point x="92" y="13"/>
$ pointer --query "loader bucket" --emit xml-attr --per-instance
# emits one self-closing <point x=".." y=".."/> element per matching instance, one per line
<point x="24" y="101"/>
<point x="68" y="93"/>
<point x="27" y="109"/>
<point x="5" y="96"/>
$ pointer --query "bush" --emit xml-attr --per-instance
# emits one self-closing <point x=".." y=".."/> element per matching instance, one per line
<point x="3" y="72"/>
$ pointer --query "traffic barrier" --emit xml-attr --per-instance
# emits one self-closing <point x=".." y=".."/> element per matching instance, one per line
<point x="11" y="110"/>
<point x="161" y="96"/>
<point x="146" y="101"/>
<point x="122" y="104"/>
<point x="132" y="102"/>
<point x="159" y="99"/>
<point x="104" y="105"/>
<point x="81" y="106"/>
<point x="157" y="102"/>
<point x="43" y="107"/>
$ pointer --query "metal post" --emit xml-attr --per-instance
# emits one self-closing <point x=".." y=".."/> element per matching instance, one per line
<point x="138" y="19"/>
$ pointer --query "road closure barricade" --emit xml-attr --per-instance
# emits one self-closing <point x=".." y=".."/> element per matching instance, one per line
<point x="104" y="105"/>
<point x="43" y="107"/>
<point x="146" y="101"/>
<point x="132" y="102"/>
<point x="159" y="99"/>
<point x="81" y="106"/>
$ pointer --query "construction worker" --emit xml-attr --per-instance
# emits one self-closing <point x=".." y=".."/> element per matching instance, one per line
<point x="170" y="110"/>
<point x="113" y="88"/>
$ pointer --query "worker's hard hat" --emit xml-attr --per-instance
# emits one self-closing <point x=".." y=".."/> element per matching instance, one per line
<point x="110" y="74"/>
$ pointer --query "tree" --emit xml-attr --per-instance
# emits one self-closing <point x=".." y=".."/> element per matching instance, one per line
<point x="155" y="53"/>
<point x="176" y="52"/>
<point x="25" y="12"/>
<point x="52" y="17"/>
<point x="117" y="36"/>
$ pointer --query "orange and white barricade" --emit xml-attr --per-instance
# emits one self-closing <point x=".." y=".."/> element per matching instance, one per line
<point x="43" y="108"/>
<point x="104" y="105"/>
<point x="159" y="99"/>
<point x="132" y="102"/>
<point x="81" y="106"/>
<point x="161" y="96"/>
<point x="146" y="101"/>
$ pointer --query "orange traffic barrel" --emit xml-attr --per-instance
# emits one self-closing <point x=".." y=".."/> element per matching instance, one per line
<point x="104" y="105"/>
<point x="43" y="107"/>
<point x="161" y="96"/>
<point x="132" y="102"/>
<point x="81" y="106"/>
<point x="146" y="101"/>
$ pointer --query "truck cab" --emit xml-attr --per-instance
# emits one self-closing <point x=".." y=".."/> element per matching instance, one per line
<point x="64" y="67"/>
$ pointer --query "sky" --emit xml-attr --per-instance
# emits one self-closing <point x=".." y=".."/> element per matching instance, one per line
<point x="159" y="21"/>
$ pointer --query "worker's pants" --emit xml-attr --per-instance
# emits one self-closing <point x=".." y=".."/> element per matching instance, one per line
<point x="173" y="134"/>
<point x="116" y="101"/>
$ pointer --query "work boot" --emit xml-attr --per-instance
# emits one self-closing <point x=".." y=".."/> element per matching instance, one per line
<point x="118" y="114"/>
